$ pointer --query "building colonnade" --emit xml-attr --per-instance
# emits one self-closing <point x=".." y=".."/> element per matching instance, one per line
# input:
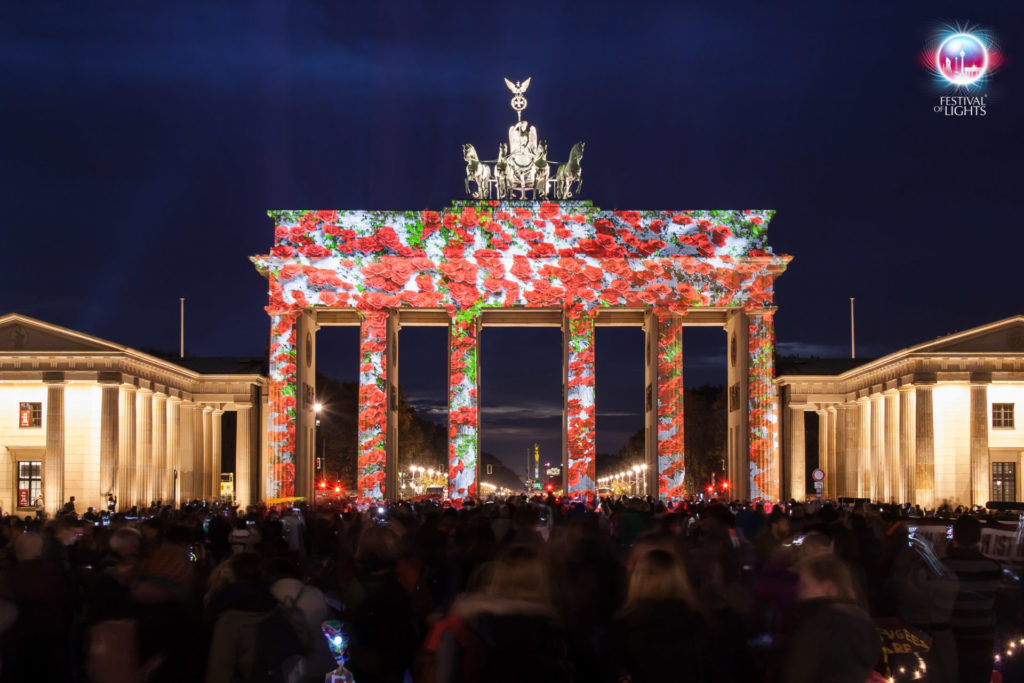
<point x="880" y="443"/>
<point x="155" y="444"/>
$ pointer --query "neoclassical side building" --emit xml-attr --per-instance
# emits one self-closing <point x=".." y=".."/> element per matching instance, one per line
<point x="929" y="423"/>
<point x="83" y="417"/>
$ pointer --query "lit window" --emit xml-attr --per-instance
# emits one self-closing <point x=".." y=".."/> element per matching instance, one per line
<point x="1002" y="415"/>
<point x="30" y="414"/>
<point x="30" y="482"/>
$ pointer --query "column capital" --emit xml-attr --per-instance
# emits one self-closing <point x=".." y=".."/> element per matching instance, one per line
<point x="980" y="379"/>
<point x="109" y="378"/>
<point x="159" y="396"/>
<point x="217" y="412"/>
<point x="893" y="391"/>
<point x="242" y="405"/>
<point x="174" y="399"/>
<point x="129" y="387"/>
<point x="863" y="400"/>
<point x="907" y="388"/>
<point x="206" y="408"/>
<point x="144" y="391"/>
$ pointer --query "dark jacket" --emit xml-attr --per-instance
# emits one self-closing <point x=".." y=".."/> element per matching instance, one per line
<point x="663" y="640"/>
<point x="834" y="641"/>
<point x="974" y="613"/>
<point x="503" y="641"/>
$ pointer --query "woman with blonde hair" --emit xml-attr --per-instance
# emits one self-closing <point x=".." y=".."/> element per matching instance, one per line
<point x="508" y="632"/>
<point x="661" y="634"/>
<point x="834" y="638"/>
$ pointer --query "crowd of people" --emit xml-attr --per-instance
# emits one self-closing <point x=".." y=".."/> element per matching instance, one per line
<point x="515" y="589"/>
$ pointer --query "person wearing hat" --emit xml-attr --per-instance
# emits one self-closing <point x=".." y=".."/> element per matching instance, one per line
<point x="974" y="619"/>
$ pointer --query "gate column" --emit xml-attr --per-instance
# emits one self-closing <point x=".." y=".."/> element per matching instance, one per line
<point x="279" y="476"/>
<point x="578" y="417"/>
<point x="463" y="405"/>
<point x="373" y="405"/>
<point x="665" y="391"/>
<point x="762" y="406"/>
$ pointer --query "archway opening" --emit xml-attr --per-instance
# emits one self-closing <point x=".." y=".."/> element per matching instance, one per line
<point x="336" y="444"/>
<point x="619" y="387"/>
<point x="520" y="408"/>
<point x="422" y="409"/>
<point x="706" y="410"/>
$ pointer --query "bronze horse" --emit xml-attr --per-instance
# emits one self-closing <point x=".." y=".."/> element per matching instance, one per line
<point x="478" y="172"/>
<point x="569" y="173"/>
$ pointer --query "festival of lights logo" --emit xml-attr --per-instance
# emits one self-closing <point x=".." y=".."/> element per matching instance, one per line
<point x="961" y="59"/>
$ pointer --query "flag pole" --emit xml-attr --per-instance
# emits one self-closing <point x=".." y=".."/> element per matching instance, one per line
<point x="853" y="346"/>
<point x="182" y="328"/>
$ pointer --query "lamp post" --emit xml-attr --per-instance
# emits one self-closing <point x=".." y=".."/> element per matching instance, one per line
<point x="643" y="468"/>
<point x="317" y="407"/>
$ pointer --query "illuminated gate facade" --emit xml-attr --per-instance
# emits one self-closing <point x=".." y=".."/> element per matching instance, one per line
<point x="564" y="263"/>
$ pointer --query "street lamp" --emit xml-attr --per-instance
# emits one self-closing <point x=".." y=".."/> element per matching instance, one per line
<point x="317" y="407"/>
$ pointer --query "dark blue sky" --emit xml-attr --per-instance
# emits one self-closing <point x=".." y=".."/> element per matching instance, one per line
<point x="141" y="146"/>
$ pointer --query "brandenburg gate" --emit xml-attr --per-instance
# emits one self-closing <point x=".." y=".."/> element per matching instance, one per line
<point x="522" y="251"/>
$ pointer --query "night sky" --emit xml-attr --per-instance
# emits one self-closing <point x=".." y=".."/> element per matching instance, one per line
<point x="141" y="146"/>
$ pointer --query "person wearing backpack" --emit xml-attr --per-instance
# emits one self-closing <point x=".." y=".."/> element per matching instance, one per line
<point x="253" y="639"/>
<point x="306" y="609"/>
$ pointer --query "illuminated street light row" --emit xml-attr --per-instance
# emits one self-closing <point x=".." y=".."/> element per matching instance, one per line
<point x="629" y="478"/>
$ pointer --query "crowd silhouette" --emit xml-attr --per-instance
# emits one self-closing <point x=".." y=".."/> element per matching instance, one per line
<point x="539" y="589"/>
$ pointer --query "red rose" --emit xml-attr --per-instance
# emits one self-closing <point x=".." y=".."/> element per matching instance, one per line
<point x="494" y="285"/>
<point x="719" y="234"/>
<point x="452" y="251"/>
<point x="387" y="237"/>
<point x="401" y="269"/>
<point x="468" y="219"/>
<point x="282" y="251"/>
<point x="288" y="271"/>
<point x="542" y="250"/>
<point x="521" y="267"/>
<point x="367" y="245"/>
<point x="631" y="217"/>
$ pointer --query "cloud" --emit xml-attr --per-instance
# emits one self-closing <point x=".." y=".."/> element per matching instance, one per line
<point x="808" y="350"/>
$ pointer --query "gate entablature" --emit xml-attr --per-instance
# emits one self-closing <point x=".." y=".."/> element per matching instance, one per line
<point x="376" y="266"/>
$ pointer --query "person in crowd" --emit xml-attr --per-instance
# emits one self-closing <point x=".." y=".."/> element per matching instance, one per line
<point x="243" y="538"/>
<point x="497" y="626"/>
<point x="640" y="648"/>
<point x="834" y="638"/>
<point x="308" y="610"/>
<point x="770" y="538"/>
<point x="35" y="646"/>
<point x="383" y="630"/>
<point x="250" y="642"/>
<point x="973" y="622"/>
